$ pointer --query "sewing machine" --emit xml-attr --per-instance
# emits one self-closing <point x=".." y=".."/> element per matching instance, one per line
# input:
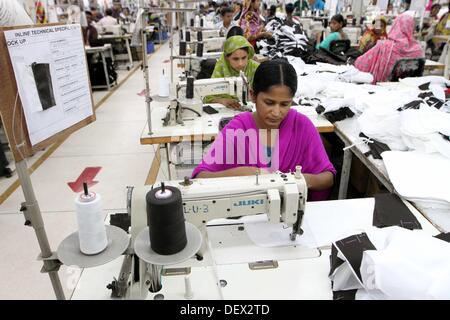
<point x="206" y="34"/>
<point x="211" y="44"/>
<point x="115" y="30"/>
<point x="185" y="106"/>
<point x="282" y="197"/>
<point x="192" y="62"/>
<point x="234" y="86"/>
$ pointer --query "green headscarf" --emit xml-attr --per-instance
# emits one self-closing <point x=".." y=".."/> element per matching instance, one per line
<point x="223" y="68"/>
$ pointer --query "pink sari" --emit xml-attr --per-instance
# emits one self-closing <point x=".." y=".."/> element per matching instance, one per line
<point x="250" y="20"/>
<point x="400" y="44"/>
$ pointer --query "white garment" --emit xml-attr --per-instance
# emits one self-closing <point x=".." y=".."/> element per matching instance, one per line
<point x="107" y="21"/>
<point x="13" y="14"/>
<point x="224" y="30"/>
<point x="416" y="175"/>
<point x="406" y="265"/>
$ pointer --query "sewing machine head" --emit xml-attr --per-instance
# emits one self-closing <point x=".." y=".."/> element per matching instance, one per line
<point x="190" y="94"/>
<point x="281" y="196"/>
<point x="115" y="30"/>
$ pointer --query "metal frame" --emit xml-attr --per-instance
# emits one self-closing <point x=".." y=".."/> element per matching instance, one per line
<point x="347" y="163"/>
<point x="101" y="51"/>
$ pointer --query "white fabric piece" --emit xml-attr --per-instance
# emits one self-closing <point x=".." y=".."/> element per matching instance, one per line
<point x="403" y="255"/>
<point x="421" y="130"/>
<point x="13" y="14"/>
<point x="416" y="175"/>
<point x="417" y="81"/>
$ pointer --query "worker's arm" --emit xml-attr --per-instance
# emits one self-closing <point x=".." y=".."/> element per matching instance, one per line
<point x="319" y="182"/>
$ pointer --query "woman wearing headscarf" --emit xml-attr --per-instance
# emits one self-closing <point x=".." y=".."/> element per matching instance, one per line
<point x="399" y="44"/>
<point x="252" y="23"/>
<point x="373" y="34"/>
<point x="237" y="56"/>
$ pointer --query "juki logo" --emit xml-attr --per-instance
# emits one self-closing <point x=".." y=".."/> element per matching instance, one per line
<point x="248" y="203"/>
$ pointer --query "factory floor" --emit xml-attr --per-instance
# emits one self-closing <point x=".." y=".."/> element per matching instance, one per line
<point x="112" y="143"/>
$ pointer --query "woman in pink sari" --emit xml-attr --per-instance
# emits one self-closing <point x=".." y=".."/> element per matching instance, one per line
<point x="252" y="23"/>
<point x="273" y="138"/>
<point x="399" y="44"/>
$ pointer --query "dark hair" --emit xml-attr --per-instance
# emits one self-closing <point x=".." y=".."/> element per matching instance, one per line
<point x="235" y="31"/>
<point x="244" y="48"/>
<point x="273" y="73"/>
<point x="108" y="12"/>
<point x="226" y="10"/>
<point x="273" y="9"/>
<point x="436" y="5"/>
<point x="93" y="8"/>
<point x="290" y="8"/>
<point x="88" y="13"/>
<point x="339" y="19"/>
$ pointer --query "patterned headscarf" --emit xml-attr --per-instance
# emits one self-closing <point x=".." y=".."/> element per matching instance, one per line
<point x="223" y="68"/>
<point x="400" y="44"/>
<point x="41" y="16"/>
<point x="370" y="37"/>
<point x="250" y="19"/>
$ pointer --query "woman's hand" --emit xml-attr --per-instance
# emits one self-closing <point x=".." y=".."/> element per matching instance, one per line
<point x="229" y="103"/>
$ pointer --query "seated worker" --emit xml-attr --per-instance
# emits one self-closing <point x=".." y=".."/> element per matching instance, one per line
<point x="237" y="56"/>
<point x="227" y="21"/>
<point x="374" y="33"/>
<point x="251" y="22"/>
<point x="289" y="20"/>
<point x="399" y="44"/>
<point x="441" y="27"/>
<point x="337" y="23"/>
<point x="272" y="13"/>
<point x="300" y="5"/>
<point x="90" y="33"/>
<point x="107" y="20"/>
<point x="96" y="15"/>
<point x="274" y="138"/>
<point x="317" y="5"/>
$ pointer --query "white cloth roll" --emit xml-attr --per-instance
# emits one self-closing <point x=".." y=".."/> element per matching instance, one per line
<point x="91" y="227"/>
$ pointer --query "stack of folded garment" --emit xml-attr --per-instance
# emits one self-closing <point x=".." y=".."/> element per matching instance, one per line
<point x="415" y="120"/>
<point x="285" y="41"/>
<point x="391" y="263"/>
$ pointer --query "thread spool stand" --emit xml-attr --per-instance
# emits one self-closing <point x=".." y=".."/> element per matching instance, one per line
<point x="144" y="251"/>
<point x="70" y="254"/>
<point x="69" y="250"/>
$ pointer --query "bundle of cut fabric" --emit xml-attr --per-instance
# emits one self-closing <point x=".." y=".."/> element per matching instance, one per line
<point x="314" y="79"/>
<point x="343" y="100"/>
<point x="285" y="41"/>
<point x="414" y="120"/>
<point x="380" y="263"/>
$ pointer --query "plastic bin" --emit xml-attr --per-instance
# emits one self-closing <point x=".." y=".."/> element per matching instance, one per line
<point x="150" y="47"/>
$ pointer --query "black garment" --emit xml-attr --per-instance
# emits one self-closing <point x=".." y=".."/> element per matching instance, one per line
<point x="97" y="73"/>
<point x="391" y="211"/>
<point x="43" y="80"/>
<point x="4" y="170"/>
<point x="337" y="115"/>
<point x="376" y="147"/>
<point x="352" y="248"/>
<point x="206" y="69"/>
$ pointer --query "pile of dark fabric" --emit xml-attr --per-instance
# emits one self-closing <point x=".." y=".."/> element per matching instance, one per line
<point x="285" y="41"/>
